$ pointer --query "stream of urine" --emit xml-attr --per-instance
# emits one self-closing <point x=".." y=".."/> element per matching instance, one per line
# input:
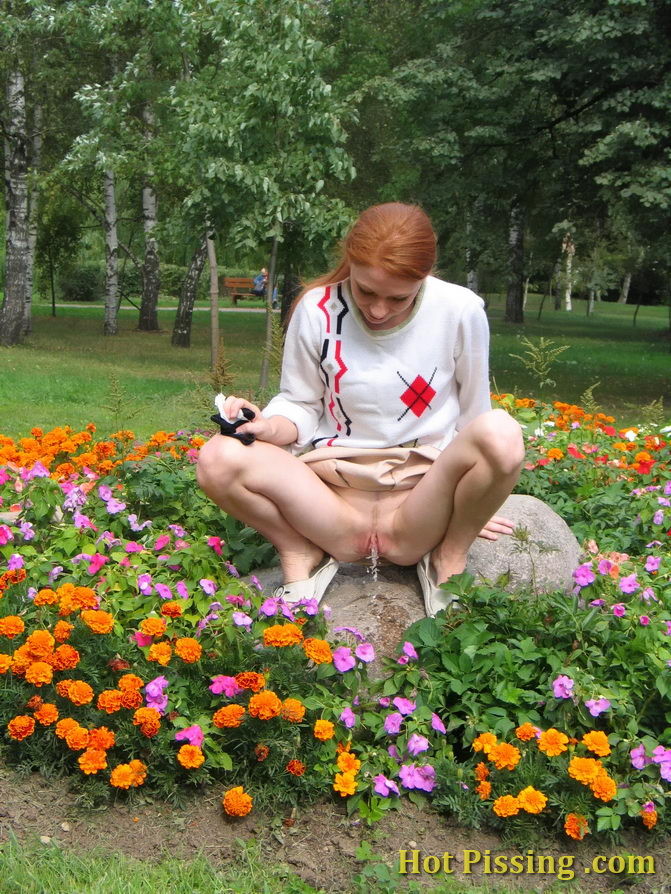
<point x="374" y="559"/>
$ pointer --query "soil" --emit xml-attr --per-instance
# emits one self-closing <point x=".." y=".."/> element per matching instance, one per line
<point x="320" y="846"/>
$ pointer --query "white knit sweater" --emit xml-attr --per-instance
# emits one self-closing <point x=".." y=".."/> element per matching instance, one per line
<point x="344" y="384"/>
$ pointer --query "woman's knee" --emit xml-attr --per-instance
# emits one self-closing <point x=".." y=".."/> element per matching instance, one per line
<point x="501" y="441"/>
<point x="219" y="462"/>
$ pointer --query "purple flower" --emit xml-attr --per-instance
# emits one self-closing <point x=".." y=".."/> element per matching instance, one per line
<point x="583" y="575"/>
<point x="384" y="701"/>
<point x="348" y="717"/>
<point x="417" y="744"/>
<point x="638" y="757"/>
<point x="597" y="706"/>
<point x="255" y="582"/>
<point x="437" y="724"/>
<point x="192" y="734"/>
<point x="562" y="686"/>
<point x="629" y="584"/>
<point x="232" y="569"/>
<point x="409" y="650"/>
<point x="155" y="687"/>
<point x="604" y="566"/>
<point x="665" y="770"/>
<point x="357" y="634"/>
<point x="404" y="705"/>
<point x="652" y="563"/>
<point x="37" y="471"/>
<point x="159" y="702"/>
<point x="619" y="609"/>
<point x="144" y="584"/>
<point x="384" y="786"/>
<point x="402" y="659"/>
<point x="55" y="572"/>
<point x="661" y="755"/>
<point x="309" y="606"/>
<point x="269" y="607"/>
<point x="648" y="594"/>
<point x="114" y="506"/>
<point x="413" y="777"/>
<point x="240" y="619"/>
<point x="394" y="753"/>
<point x="134" y="525"/>
<point x="644" y="620"/>
<point x="105" y="492"/>
<point x="163" y="591"/>
<point x="667" y="488"/>
<point x="177" y="530"/>
<point x="208" y="586"/>
<point x="182" y="589"/>
<point x="365" y="652"/>
<point x="343" y="660"/>
<point x="15" y="562"/>
<point x="658" y="517"/>
<point x="392" y="723"/>
<point x="74" y="499"/>
<point x="27" y="530"/>
<point x="598" y="602"/>
<point x="226" y="685"/>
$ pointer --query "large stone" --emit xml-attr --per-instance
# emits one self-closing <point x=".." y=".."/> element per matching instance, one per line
<point x="541" y="555"/>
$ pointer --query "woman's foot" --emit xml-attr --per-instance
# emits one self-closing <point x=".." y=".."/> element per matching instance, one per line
<point x="312" y="587"/>
<point x="430" y="578"/>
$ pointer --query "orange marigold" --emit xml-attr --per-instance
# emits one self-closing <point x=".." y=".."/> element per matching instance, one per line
<point x="296" y="767"/>
<point x="484" y="742"/>
<point x="109" y="701"/>
<point x="20" y="727"/>
<point x="237" y="802"/>
<point x="228" y="716"/>
<point x="345" y="784"/>
<point x="65" y="657"/>
<point x="172" y="609"/>
<point x="98" y="621"/>
<point x="101" y="738"/>
<point x="62" y="631"/>
<point x="526" y="732"/>
<point x="35" y="702"/>
<point x="39" y="673"/>
<point x="64" y="726"/>
<point x="481" y="771"/>
<point x="348" y="763"/>
<point x="149" y="721"/>
<point x="506" y="805"/>
<point x="5" y="662"/>
<point x="138" y="771"/>
<point x="80" y="693"/>
<point x="188" y="649"/>
<point x="552" y="742"/>
<point x="649" y="818"/>
<point x="585" y="769"/>
<point x="122" y="776"/>
<point x="11" y="626"/>
<point x="130" y="681"/>
<point x="160" y="652"/>
<point x="531" y="800"/>
<point x="131" y="699"/>
<point x="293" y="710"/>
<point x="46" y="714"/>
<point x="92" y="760"/>
<point x="45" y="596"/>
<point x="264" y="705"/>
<point x="504" y="756"/>
<point x="153" y="626"/>
<point x="77" y="738"/>
<point x="604" y="788"/>
<point x="39" y="645"/>
<point x="576" y="826"/>
<point x="597" y="742"/>
<point x="323" y="730"/>
<point x="250" y="680"/>
<point x="190" y="757"/>
<point x="318" y="650"/>
<point x="483" y="789"/>
<point x="282" y="635"/>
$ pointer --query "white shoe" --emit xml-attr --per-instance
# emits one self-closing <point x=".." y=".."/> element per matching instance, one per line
<point x="313" y="587"/>
<point x="435" y="599"/>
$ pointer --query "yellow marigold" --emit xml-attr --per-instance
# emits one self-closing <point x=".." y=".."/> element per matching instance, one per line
<point x="323" y="730"/>
<point x="649" y="818"/>
<point x="46" y="714"/>
<point x="80" y="693"/>
<point x="45" y="596"/>
<point x="526" y="732"/>
<point x="264" y="705"/>
<point x="160" y="652"/>
<point x="39" y="673"/>
<point x="65" y="657"/>
<point x="296" y="767"/>
<point x="64" y="726"/>
<point x="138" y="771"/>
<point x="552" y="742"/>
<point x="98" y="621"/>
<point x="531" y="800"/>
<point x="92" y="760"/>
<point x="190" y="757"/>
<point x="604" y="788"/>
<point x="504" y="756"/>
<point x="62" y="631"/>
<point x="228" y="716"/>
<point x="188" y="649"/>
<point x="130" y="681"/>
<point x="109" y="701"/>
<point x="576" y="826"/>
<point x="481" y="771"/>
<point x="131" y="699"/>
<point x="122" y="776"/>
<point x="250" y="680"/>
<point x="345" y="784"/>
<point x="483" y="789"/>
<point x="597" y="742"/>
<point x="348" y="763"/>
<point x="317" y="650"/>
<point x="5" y="662"/>
<point x="484" y="742"/>
<point x="237" y="802"/>
<point x="153" y="626"/>
<point x="506" y="805"/>
<point x="101" y="738"/>
<point x="282" y="635"/>
<point x="77" y="738"/>
<point x="20" y="727"/>
<point x="293" y="710"/>
<point x="39" y="645"/>
<point x="11" y="626"/>
<point x="585" y="769"/>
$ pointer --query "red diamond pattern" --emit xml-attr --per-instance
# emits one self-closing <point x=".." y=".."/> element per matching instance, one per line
<point x="418" y="396"/>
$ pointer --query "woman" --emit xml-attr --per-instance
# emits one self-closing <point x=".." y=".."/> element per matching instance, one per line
<point x="385" y="385"/>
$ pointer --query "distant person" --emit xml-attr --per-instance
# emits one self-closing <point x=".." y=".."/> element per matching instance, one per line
<point x="260" y="282"/>
<point x="382" y="440"/>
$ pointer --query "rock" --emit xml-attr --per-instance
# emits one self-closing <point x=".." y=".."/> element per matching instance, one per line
<point x="541" y="555"/>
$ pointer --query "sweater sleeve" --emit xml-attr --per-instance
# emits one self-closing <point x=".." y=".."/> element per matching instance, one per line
<point x="472" y="363"/>
<point x="301" y="387"/>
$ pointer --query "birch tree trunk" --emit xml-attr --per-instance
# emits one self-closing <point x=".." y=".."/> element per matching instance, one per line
<point x="16" y="250"/>
<point x="151" y="274"/>
<point x="214" y="300"/>
<point x="624" y="289"/>
<point x="556" y="284"/>
<point x="110" y="326"/>
<point x="514" y="311"/>
<point x="590" y="302"/>
<point x="568" y="246"/>
<point x="181" y="333"/>
<point x="33" y="199"/>
<point x="268" y="346"/>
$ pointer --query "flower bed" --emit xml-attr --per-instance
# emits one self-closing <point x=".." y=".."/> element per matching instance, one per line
<point x="132" y="654"/>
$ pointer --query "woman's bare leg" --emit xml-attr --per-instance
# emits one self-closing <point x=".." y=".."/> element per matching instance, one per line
<point x="467" y="483"/>
<point x="274" y="492"/>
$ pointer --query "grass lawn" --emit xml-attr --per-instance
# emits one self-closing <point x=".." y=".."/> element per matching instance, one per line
<point x="67" y="372"/>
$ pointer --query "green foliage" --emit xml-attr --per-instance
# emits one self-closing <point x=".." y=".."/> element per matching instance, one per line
<point x="539" y="358"/>
<point x="84" y="282"/>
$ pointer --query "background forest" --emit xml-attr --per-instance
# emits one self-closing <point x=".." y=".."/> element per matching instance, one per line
<point x="144" y="137"/>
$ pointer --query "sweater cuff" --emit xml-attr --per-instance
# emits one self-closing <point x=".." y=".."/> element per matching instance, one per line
<point x="303" y="419"/>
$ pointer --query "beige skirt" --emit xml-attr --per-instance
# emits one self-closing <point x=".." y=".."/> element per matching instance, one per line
<point x="372" y="469"/>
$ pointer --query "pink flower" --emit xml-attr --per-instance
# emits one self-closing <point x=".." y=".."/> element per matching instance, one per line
<point x="208" y="586"/>
<point x="192" y="734"/>
<point x="142" y="639"/>
<point x="81" y="521"/>
<point x="164" y="591"/>
<point x="629" y="584"/>
<point x="215" y="543"/>
<point x="437" y="724"/>
<point x="638" y="757"/>
<point x="269" y="607"/>
<point x="597" y="706"/>
<point x="223" y="684"/>
<point x="644" y="620"/>
<point x="410" y="651"/>
<point x="114" y="506"/>
<point x="96" y="563"/>
<point x="144" y="584"/>
<point x="384" y="786"/>
<point x="240" y="619"/>
<point x="413" y="777"/>
<point x="562" y="686"/>
<point x="365" y="652"/>
<point x="182" y="589"/>
<point x="392" y="723"/>
<point x="404" y="705"/>
<point x="604" y="566"/>
<point x="652" y="563"/>
<point x="348" y="717"/>
<point x="343" y="660"/>
<point x="161" y="542"/>
<point x="583" y="575"/>
<point x="5" y="535"/>
<point x="133" y="547"/>
<point x="619" y="610"/>
<point x="417" y="744"/>
<point x="15" y="562"/>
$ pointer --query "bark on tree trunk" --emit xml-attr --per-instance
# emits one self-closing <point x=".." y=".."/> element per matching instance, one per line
<point x="110" y="326"/>
<point x="16" y="251"/>
<point x="214" y="300"/>
<point x="624" y="289"/>
<point x="472" y="278"/>
<point x="270" y="285"/>
<point x="181" y="333"/>
<point x="151" y="273"/>
<point x="556" y="285"/>
<point x="568" y="246"/>
<point x="590" y="302"/>
<point x="33" y="197"/>
<point x="514" y="310"/>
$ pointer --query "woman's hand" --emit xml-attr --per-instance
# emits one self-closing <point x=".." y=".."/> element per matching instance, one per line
<point x="495" y="526"/>
<point x="276" y="430"/>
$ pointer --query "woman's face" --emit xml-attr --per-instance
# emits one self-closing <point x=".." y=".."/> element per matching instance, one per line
<point x="384" y="300"/>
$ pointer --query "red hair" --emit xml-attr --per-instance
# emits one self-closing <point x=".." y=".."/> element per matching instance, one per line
<point x="396" y="237"/>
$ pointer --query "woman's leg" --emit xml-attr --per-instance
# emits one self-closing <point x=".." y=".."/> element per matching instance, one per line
<point x="274" y="492"/>
<point x="465" y="486"/>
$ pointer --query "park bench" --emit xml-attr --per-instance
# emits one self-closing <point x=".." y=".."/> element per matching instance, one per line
<point x="236" y="287"/>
